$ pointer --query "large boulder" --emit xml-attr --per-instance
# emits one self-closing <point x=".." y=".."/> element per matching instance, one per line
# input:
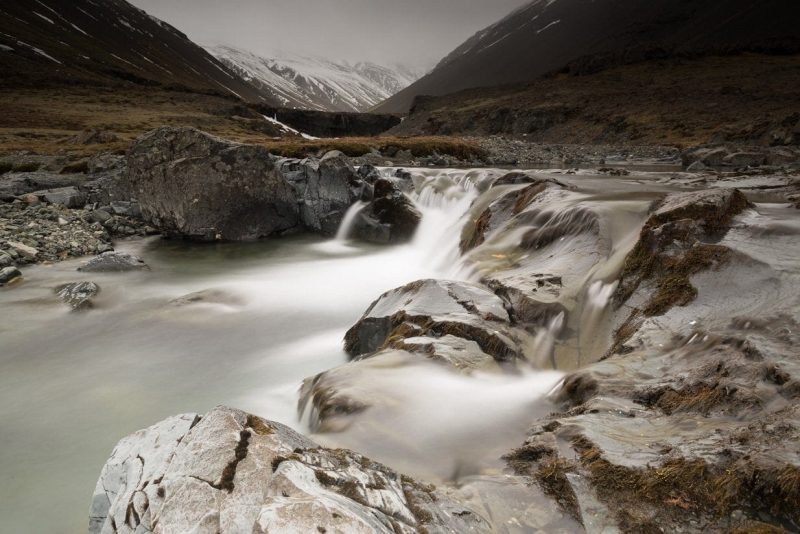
<point x="325" y="189"/>
<point x="229" y="471"/>
<point x="390" y="218"/>
<point x="194" y="185"/>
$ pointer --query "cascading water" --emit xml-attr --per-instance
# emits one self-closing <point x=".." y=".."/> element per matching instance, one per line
<point x="287" y="305"/>
<point x="346" y="228"/>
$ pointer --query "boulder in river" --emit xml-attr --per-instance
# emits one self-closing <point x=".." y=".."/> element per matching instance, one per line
<point x="194" y="185"/>
<point x="8" y="275"/>
<point x="229" y="471"/>
<point x="113" y="262"/>
<point x="390" y="218"/>
<point x="78" y="295"/>
<point x="435" y="308"/>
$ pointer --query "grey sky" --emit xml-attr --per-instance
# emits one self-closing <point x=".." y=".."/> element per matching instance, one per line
<point x="414" y="32"/>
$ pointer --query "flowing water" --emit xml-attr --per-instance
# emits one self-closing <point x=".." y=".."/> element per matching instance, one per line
<point x="73" y="384"/>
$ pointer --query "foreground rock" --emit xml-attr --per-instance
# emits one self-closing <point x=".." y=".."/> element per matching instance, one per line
<point x="8" y="275"/>
<point x="110" y="262"/>
<point x="229" y="471"/>
<point x="191" y="184"/>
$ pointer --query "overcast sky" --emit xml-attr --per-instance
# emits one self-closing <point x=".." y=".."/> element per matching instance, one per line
<point x="414" y="32"/>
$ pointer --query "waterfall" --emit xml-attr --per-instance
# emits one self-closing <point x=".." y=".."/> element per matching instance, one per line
<point x="346" y="228"/>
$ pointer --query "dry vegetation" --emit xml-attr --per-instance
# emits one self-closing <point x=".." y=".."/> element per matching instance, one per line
<point x="46" y="121"/>
<point x="677" y="102"/>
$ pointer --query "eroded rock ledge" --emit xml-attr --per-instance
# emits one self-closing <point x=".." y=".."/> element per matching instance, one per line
<point x="228" y="471"/>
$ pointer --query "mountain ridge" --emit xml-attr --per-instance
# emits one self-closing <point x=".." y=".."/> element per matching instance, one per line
<point x="579" y="36"/>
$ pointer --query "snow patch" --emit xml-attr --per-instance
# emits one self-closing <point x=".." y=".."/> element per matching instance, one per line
<point x="289" y="129"/>
<point x="42" y="16"/>
<point x="548" y="26"/>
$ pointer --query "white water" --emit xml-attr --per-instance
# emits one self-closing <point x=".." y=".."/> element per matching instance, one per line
<point x="346" y="228"/>
<point x="73" y="384"/>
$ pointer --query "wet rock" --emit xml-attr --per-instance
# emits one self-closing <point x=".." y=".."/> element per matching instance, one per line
<point x="368" y="173"/>
<point x="194" y="185"/>
<point x="229" y="471"/>
<point x="78" y="295"/>
<point x="108" y="262"/>
<point x="208" y="296"/>
<point x="6" y="259"/>
<point x="676" y="243"/>
<point x="332" y="187"/>
<point x="435" y="308"/>
<point x="390" y="218"/>
<point x="694" y="439"/>
<point x="8" y="275"/>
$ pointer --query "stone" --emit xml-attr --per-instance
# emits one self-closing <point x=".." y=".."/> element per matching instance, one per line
<point x="113" y="262"/>
<point x="8" y="275"/>
<point x="208" y="296"/>
<point x="746" y="159"/>
<point x="390" y="218"/>
<point x="78" y="295"/>
<point x="697" y="166"/>
<point x="435" y="308"/>
<point x="229" y="471"/>
<point x="19" y="184"/>
<point x="69" y="197"/>
<point x="128" y="209"/>
<point x="6" y="259"/>
<point x="194" y="185"/>
<point x="27" y="251"/>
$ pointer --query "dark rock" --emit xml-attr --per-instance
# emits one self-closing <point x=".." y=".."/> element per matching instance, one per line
<point x="515" y="178"/>
<point x="8" y="275"/>
<point x="332" y="187"/>
<point x="129" y="209"/>
<point x="18" y="184"/>
<point x="390" y="218"/>
<point x="368" y="173"/>
<point x="113" y="262"/>
<point x="191" y="184"/>
<point x="746" y="159"/>
<point x="6" y="259"/>
<point x="78" y="295"/>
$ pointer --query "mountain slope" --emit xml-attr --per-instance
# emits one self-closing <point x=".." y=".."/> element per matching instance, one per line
<point x="316" y="83"/>
<point x="104" y="42"/>
<point x="588" y="35"/>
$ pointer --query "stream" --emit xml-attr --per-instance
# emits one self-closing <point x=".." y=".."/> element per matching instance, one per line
<point x="73" y="384"/>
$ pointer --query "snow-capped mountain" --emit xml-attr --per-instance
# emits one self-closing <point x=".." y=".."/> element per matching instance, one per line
<point x="306" y="82"/>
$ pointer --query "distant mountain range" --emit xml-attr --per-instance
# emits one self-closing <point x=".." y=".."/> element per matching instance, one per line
<point x="102" y="42"/>
<point x="316" y="83"/>
<point x="584" y="36"/>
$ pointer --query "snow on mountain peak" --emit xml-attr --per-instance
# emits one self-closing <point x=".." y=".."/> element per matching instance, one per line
<point x="308" y="82"/>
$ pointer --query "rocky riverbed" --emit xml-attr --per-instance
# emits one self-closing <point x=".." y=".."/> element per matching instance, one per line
<point x="562" y="350"/>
